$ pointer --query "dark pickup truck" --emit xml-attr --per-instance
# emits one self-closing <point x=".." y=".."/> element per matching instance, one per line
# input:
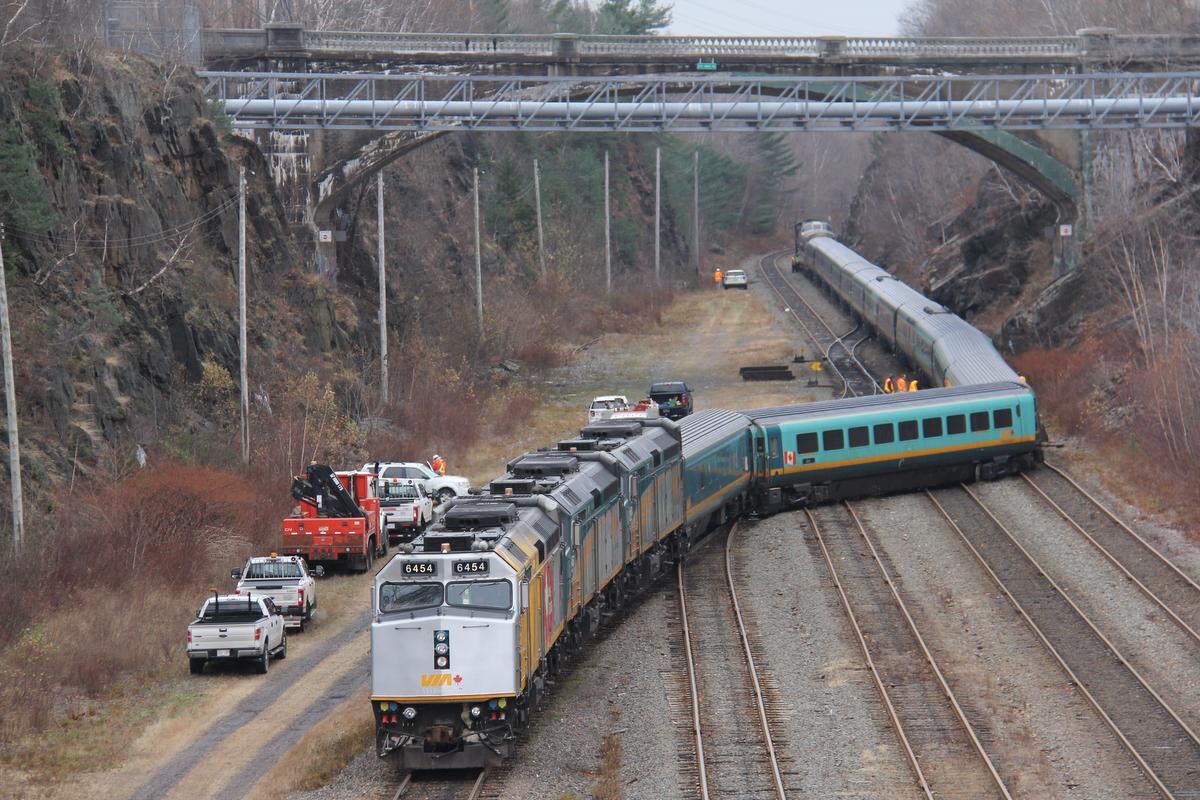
<point x="674" y="399"/>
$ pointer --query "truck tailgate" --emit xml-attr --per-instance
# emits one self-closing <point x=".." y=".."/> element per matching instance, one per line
<point x="284" y="592"/>
<point x="222" y="636"/>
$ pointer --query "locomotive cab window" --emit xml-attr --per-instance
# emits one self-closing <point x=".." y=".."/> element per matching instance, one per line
<point x="908" y="430"/>
<point x="955" y="424"/>
<point x="806" y="443"/>
<point x="496" y="595"/>
<point x="859" y="437"/>
<point x="1002" y="418"/>
<point x="979" y="421"/>
<point x="833" y="440"/>
<point x="394" y="597"/>
<point x="885" y="433"/>
<point x="931" y="427"/>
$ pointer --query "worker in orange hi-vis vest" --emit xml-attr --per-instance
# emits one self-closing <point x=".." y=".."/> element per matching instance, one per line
<point x="912" y="385"/>
<point x="438" y="464"/>
<point x="901" y="384"/>
<point x="717" y="277"/>
<point x="888" y="386"/>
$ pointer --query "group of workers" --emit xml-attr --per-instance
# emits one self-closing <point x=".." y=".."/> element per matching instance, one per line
<point x="900" y="384"/>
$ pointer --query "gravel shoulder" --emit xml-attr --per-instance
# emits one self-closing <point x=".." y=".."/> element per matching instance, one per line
<point x="1044" y="738"/>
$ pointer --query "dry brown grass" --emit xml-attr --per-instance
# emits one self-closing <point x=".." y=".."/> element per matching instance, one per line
<point x="609" y="785"/>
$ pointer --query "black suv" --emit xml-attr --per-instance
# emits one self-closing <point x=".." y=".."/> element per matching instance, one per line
<point x="674" y="398"/>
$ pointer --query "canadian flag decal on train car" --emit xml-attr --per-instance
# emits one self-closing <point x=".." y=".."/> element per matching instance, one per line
<point x="789" y="458"/>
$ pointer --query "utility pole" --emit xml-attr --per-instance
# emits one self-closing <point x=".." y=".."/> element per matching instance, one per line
<point x="696" y="209"/>
<point x="10" y="403"/>
<point x="657" y="211"/>
<point x="607" y="236"/>
<point x="537" y="195"/>
<point x="242" y="313"/>
<point x="478" y="260"/>
<point x="383" y="353"/>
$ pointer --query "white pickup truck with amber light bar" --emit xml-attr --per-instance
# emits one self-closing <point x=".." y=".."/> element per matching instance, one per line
<point x="236" y="628"/>
<point x="284" y="579"/>
<point x="404" y="508"/>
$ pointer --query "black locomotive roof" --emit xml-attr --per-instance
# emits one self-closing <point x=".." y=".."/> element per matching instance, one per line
<point x="898" y="399"/>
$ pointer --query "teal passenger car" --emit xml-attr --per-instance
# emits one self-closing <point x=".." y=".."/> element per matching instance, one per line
<point x="835" y="449"/>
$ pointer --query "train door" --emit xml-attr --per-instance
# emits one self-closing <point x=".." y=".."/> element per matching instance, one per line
<point x="774" y="452"/>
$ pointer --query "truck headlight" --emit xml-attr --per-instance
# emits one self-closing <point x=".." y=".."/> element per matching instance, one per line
<point x="410" y="713"/>
<point x="476" y="711"/>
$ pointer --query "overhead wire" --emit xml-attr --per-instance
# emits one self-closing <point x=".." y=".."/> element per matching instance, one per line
<point x="164" y="235"/>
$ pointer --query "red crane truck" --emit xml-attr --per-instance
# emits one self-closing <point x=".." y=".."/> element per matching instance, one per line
<point x="338" y="520"/>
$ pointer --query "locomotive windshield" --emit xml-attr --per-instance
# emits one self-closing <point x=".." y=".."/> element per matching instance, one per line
<point x="480" y="594"/>
<point x="394" y="597"/>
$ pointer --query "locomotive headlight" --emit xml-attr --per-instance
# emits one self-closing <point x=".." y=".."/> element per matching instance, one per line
<point x="441" y="636"/>
<point x="443" y="662"/>
<point x="410" y="713"/>
<point x="476" y="711"/>
<point x="441" y="648"/>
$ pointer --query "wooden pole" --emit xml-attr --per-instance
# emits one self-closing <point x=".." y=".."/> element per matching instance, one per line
<point x="657" y="212"/>
<point x="478" y="259"/>
<point x="383" y="339"/>
<point x="10" y="404"/>
<point x="537" y="195"/>
<point x="696" y="209"/>
<point x="242" y="314"/>
<point x="607" y="232"/>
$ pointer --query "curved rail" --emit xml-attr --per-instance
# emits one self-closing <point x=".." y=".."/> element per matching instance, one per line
<point x="770" y="262"/>
<point x="755" y="683"/>
<point x="880" y="683"/>
<point x="1168" y="570"/>
<point x="1173" y="745"/>
<point x="695" y="693"/>
<point x="776" y="776"/>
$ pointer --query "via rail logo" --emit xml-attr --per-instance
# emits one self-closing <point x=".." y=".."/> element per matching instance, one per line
<point x="440" y="679"/>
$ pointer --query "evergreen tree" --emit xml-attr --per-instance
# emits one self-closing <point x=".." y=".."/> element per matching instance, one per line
<point x="777" y="165"/>
<point x="24" y="201"/>
<point x="630" y="18"/>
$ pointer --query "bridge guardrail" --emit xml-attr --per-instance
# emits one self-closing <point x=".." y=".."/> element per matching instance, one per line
<point x="1089" y="44"/>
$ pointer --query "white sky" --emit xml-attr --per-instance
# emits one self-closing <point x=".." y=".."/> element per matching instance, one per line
<point x="786" y="17"/>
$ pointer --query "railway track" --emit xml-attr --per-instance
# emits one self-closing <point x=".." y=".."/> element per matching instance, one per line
<point x="1153" y="573"/>
<point x="731" y="715"/>
<point x="442" y="785"/>
<point x="943" y="749"/>
<point x="1155" y="736"/>
<point x="836" y="351"/>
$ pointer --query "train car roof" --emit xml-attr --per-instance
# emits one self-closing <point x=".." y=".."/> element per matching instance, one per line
<point x="707" y="428"/>
<point x="876" y="401"/>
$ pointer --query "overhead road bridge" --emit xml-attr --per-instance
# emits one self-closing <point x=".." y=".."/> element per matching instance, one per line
<point x="574" y="54"/>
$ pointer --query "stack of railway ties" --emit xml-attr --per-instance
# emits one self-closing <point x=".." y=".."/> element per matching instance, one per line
<point x="473" y="617"/>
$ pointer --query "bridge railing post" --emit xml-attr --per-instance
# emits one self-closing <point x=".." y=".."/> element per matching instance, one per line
<point x="566" y="47"/>
<point x="1096" y="44"/>
<point x="285" y="37"/>
<point x="831" y="47"/>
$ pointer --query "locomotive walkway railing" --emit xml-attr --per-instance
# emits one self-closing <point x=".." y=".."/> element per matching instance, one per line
<point x="705" y="103"/>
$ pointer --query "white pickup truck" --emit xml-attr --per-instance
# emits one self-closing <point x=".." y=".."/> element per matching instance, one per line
<point x="440" y="487"/>
<point x="284" y="579"/>
<point x="404" y="507"/>
<point x="236" y="628"/>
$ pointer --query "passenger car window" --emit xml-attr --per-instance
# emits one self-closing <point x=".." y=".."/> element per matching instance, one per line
<point x="885" y="433"/>
<point x="979" y="421"/>
<point x="833" y="440"/>
<point x="908" y="430"/>
<point x="859" y="437"/>
<point x="931" y="427"/>
<point x="806" y="443"/>
<point x="1002" y="418"/>
<point x="956" y="424"/>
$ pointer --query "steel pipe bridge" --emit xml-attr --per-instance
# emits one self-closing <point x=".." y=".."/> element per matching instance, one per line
<point x="679" y="103"/>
